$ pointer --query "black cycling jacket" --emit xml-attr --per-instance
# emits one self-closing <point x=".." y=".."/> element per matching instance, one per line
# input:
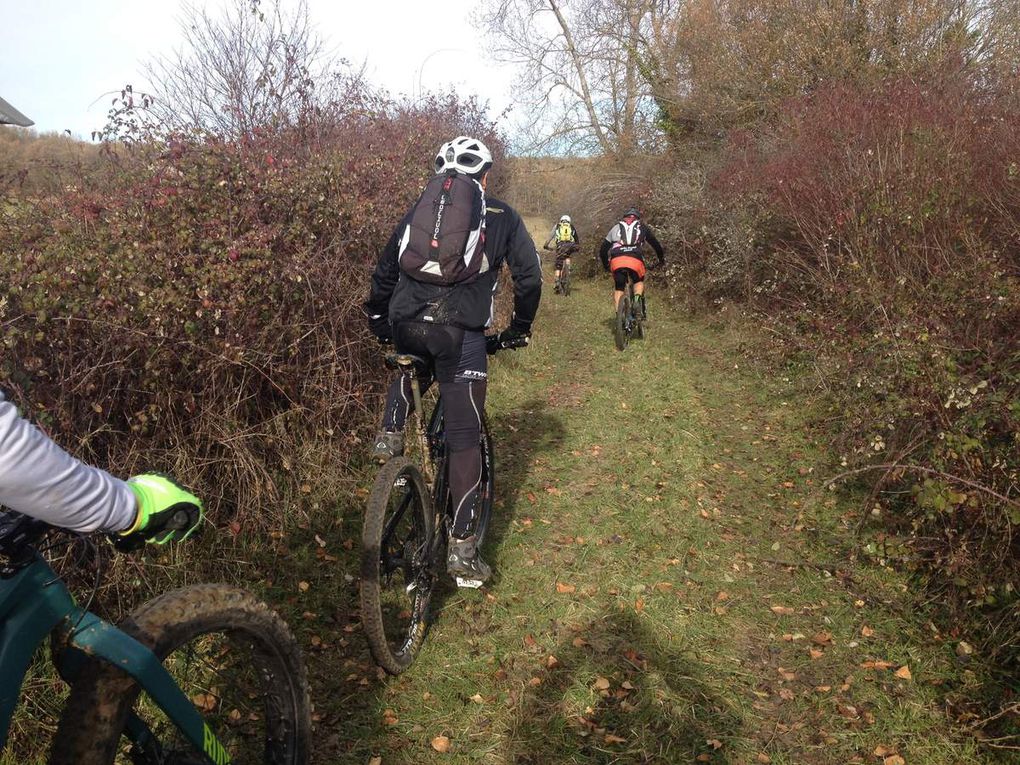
<point x="468" y="305"/>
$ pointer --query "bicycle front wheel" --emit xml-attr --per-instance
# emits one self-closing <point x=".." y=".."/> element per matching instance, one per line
<point x="622" y="329"/>
<point x="397" y="580"/>
<point x="230" y="654"/>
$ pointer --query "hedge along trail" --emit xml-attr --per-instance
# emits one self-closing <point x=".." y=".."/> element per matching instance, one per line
<point x="191" y="304"/>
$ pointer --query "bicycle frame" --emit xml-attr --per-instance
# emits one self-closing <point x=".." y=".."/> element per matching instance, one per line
<point x="34" y="601"/>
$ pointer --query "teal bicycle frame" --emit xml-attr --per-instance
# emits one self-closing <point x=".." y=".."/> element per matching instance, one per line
<point x="34" y="601"/>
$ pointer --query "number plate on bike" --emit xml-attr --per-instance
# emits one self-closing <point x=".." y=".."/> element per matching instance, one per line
<point x="473" y="584"/>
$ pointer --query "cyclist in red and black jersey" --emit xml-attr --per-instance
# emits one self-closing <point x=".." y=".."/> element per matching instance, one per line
<point x="622" y="251"/>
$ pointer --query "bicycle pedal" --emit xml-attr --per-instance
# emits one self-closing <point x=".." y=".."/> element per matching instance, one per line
<point x="472" y="584"/>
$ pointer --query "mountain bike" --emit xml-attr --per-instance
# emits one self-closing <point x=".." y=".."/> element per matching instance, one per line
<point x="565" y="279"/>
<point x="629" y="320"/>
<point x="565" y="250"/>
<point x="407" y="522"/>
<point x="203" y="674"/>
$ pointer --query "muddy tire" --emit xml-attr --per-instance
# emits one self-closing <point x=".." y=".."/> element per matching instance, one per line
<point x="207" y="636"/>
<point x="397" y="580"/>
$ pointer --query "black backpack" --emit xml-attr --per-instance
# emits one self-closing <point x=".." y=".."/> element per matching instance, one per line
<point x="444" y="242"/>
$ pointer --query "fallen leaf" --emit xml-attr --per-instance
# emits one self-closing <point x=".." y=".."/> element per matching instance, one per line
<point x="894" y="759"/>
<point x="822" y="638"/>
<point x="564" y="588"/>
<point x="377" y="760"/>
<point x="477" y="698"/>
<point x="441" y="744"/>
<point x="639" y="605"/>
<point x="714" y="743"/>
<point x="866" y="631"/>
<point x="303" y="586"/>
<point x="903" y="673"/>
<point x="722" y="595"/>
<point x="532" y="498"/>
<point x="611" y="739"/>
<point x="204" y="701"/>
<point x="877" y="665"/>
<point x="579" y="642"/>
<point x="816" y="653"/>
<point x="704" y="758"/>
<point x="882" y="751"/>
<point x="529" y="641"/>
<point x="602" y="684"/>
<point x="551" y="662"/>
<point x="763" y="758"/>
<point x="782" y="610"/>
<point x="535" y="682"/>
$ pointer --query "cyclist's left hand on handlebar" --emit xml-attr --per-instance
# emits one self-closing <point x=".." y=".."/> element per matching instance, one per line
<point x="166" y="511"/>
<point x="508" y="338"/>
<point x="381" y="329"/>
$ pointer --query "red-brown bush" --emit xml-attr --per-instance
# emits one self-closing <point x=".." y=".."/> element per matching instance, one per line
<point x="192" y="304"/>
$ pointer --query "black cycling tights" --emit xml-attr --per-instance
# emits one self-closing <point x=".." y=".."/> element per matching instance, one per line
<point x="460" y="363"/>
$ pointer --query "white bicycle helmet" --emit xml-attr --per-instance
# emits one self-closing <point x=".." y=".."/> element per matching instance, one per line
<point x="564" y="219"/>
<point x="465" y="155"/>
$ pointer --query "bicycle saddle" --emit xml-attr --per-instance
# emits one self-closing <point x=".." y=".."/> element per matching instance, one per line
<point x="405" y="361"/>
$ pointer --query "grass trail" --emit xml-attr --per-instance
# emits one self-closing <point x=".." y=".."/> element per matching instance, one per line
<point x="672" y="586"/>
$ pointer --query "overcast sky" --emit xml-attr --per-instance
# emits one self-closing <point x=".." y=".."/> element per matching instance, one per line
<point x="61" y="60"/>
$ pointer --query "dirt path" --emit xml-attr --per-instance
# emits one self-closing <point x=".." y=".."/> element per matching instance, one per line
<point x="673" y="586"/>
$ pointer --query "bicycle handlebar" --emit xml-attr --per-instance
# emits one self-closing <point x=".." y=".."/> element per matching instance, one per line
<point x="494" y="346"/>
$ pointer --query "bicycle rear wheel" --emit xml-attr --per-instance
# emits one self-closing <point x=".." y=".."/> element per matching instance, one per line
<point x="622" y="329"/>
<point x="232" y="656"/>
<point x="396" y="577"/>
<point x="565" y="279"/>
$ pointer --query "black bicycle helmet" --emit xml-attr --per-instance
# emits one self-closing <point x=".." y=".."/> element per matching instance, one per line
<point x="632" y="212"/>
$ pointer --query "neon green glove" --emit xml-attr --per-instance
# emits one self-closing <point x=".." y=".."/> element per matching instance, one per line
<point x="166" y="510"/>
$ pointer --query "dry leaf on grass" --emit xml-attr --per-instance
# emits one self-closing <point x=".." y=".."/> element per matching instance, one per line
<point x="782" y="610"/>
<point x="903" y="673"/>
<point x="441" y="744"/>
<point x="563" y="588"/>
<point x="866" y="631"/>
<point x="602" y="684"/>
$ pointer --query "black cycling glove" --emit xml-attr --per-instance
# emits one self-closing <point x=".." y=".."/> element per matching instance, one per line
<point x="508" y="338"/>
<point x="382" y="329"/>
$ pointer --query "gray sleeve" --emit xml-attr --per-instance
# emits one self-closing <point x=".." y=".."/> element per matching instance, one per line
<point x="40" y="479"/>
<point x="614" y="234"/>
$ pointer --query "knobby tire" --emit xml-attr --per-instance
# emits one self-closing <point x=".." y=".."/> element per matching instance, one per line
<point x="274" y="684"/>
<point x="399" y="494"/>
<point x="622" y="314"/>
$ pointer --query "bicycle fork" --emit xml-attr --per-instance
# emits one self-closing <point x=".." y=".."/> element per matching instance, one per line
<point x="419" y="425"/>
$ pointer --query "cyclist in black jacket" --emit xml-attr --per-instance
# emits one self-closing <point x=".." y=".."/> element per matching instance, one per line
<point x="446" y="324"/>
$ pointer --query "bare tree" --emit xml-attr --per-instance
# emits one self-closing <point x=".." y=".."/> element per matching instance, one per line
<point x="252" y="67"/>
<point x="579" y="67"/>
